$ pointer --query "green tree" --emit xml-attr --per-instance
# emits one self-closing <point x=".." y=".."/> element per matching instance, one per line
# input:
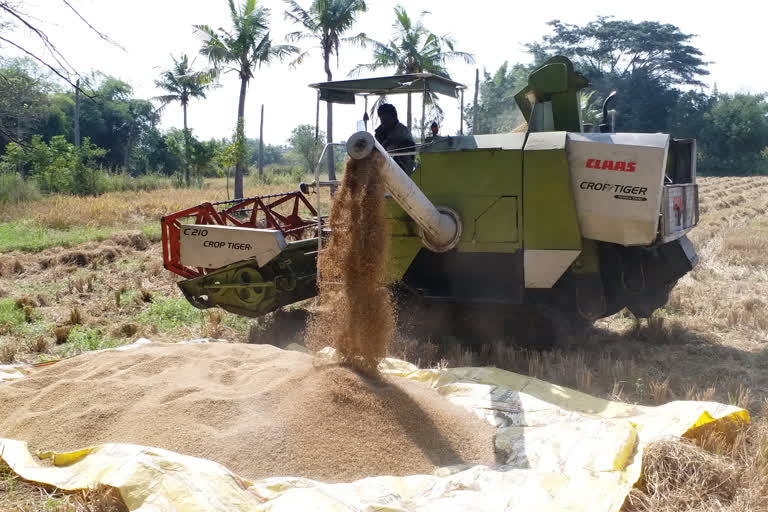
<point x="185" y="151"/>
<point x="174" y="143"/>
<point x="242" y="49"/>
<point x="202" y="156"/>
<point x="734" y="137"/>
<point x="152" y="155"/>
<point x="25" y="102"/>
<point x="111" y="117"/>
<point x="114" y="119"/>
<point x="226" y="159"/>
<point x="272" y="154"/>
<point x="414" y="49"/>
<point x="646" y="62"/>
<point x="326" y="21"/>
<point x="183" y="84"/>
<point x="57" y="166"/>
<point x="497" y="110"/>
<point x="609" y="47"/>
<point x="305" y="146"/>
<point x="687" y="119"/>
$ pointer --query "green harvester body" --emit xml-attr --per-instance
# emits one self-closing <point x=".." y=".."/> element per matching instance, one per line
<point x="586" y="223"/>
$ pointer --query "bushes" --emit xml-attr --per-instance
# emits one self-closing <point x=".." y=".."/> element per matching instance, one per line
<point x="170" y="313"/>
<point x="13" y="188"/>
<point x="82" y="339"/>
<point x="279" y="175"/>
<point x="59" y="167"/>
<point x="56" y="167"/>
<point x="126" y="182"/>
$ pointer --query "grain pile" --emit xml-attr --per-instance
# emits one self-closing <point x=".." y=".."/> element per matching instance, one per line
<point x="256" y="409"/>
<point x="356" y="315"/>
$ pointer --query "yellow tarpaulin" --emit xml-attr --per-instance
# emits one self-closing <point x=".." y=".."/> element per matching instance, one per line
<point x="12" y="372"/>
<point x="568" y="452"/>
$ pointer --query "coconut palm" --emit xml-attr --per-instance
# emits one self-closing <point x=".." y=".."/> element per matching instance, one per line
<point x="413" y="49"/>
<point x="325" y="21"/>
<point x="242" y="49"/>
<point x="183" y="84"/>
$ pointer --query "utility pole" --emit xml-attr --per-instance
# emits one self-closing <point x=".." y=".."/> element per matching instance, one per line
<point x="474" y="107"/>
<point x="261" y="143"/>
<point x="77" y="113"/>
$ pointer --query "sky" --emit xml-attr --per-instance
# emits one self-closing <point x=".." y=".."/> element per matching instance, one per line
<point x="494" y="31"/>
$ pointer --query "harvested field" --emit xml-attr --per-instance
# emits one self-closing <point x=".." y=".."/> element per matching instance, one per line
<point x="258" y="410"/>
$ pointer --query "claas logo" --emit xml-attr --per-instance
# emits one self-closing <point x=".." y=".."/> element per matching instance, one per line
<point x="611" y="165"/>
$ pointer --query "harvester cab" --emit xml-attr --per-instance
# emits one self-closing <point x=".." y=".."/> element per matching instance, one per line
<point x="553" y="214"/>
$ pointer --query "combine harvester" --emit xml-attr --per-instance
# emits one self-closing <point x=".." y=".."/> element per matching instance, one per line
<point x="557" y="217"/>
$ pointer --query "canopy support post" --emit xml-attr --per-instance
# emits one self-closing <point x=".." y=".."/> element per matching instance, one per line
<point x="317" y="117"/>
<point x="461" y="126"/>
<point x="423" y="111"/>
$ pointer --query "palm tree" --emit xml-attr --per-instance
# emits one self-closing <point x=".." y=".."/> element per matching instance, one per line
<point x="413" y="49"/>
<point x="183" y="84"/>
<point x="242" y="49"/>
<point x="326" y="21"/>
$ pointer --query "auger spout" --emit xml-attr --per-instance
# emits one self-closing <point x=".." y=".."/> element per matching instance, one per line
<point x="440" y="227"/>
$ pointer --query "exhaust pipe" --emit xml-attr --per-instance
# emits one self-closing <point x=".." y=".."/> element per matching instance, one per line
<point x="439" y="227"/>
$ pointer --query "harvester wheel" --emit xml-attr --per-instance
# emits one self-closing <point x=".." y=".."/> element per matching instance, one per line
<point x="532" y="326"/>
<point x="643" y="306"/>
<point x="250" y="295"/>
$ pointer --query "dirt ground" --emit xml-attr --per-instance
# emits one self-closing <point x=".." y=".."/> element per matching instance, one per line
<point x="709" y="343"/>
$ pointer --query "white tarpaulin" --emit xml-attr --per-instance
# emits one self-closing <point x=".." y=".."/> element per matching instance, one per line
<point x="567" y="451"/>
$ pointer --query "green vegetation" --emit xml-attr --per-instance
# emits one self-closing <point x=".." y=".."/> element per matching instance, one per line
<point x="240" y="324"/>
<point x="30" y="236"/>
<point x="14" y="188"/>
<point x="152" y="231"/>
<point x="657" y="73"/>
<point x="247" y="46"/>
<point x="11" y="316"/>
<point x="290" y="176"/>
<point x="307" y="147"/>
<point x="326" y="21"/>
<point x="414" y="49"/>
<point x="656" y="69"/>
<point x="58" y="167"/>
<point x="19" y="321"/>
<point x="734" y="135"/>
<point x="168" y="314"/>
<point x="127" y="183"/>
<point x="497" y="110"/>
<point x="82" y="339"/>
<point x="33" y="237"/>
<point x="183" y="84"/>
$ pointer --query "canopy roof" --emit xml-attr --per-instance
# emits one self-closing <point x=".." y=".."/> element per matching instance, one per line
<point x="344" y="91"/>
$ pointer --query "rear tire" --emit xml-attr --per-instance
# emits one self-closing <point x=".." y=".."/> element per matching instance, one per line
<point x="643" y="306"/>
<point x="625" y="273"/>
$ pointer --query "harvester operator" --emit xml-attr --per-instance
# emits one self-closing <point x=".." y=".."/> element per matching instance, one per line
<point x="394" y="135"/>
<point x="434" y="128"/>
